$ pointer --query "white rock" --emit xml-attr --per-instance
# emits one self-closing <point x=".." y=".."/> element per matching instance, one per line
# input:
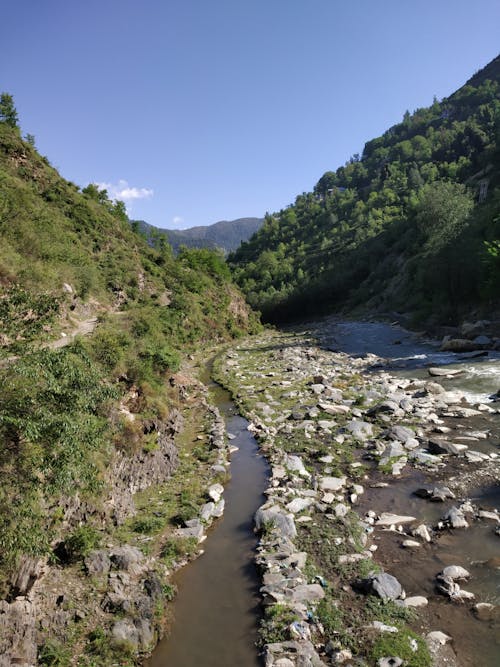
<point x="332" y="483"/>
<point x="436" y="636"/>
<point x="411" y="544"/>
<point x="455" y="572"/>
<point x="388" y="519"/>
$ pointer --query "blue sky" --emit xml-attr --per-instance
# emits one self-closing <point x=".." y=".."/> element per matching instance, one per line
<point x="202" y="110"/>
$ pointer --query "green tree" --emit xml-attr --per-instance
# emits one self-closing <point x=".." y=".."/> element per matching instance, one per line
<point x="8" y="113"/>
<point x="442" y="212"/>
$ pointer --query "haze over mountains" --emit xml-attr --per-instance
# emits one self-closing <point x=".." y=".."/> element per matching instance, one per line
<point x="226" y="235"/>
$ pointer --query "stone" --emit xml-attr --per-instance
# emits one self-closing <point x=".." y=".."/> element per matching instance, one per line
<point x="382" y="627"/>
<point x="215" y="492"/>
<point x="392" y="451"/>
<point x="360" y="430"/>
<point x="97" y="562"/>
<point x="218" y="510"/>
<point x="207" y="511"/>
<point x="458" y="345"/>
<point x="482" y="341"/>
<point x="444" y="372"/>
<point x="332" y="483"/>
<point x="440" y="446"/>
<point x="455" y="572"/>
<point x="438" y="637"/>
<point x="486" y="611"/>
<point x="341" y="510"/>
<point x="27" y="572"/>
<point x="125" y="632"/>
<point x="392" y="661"/>
<point x="415" y="601"/>
<point x="493" y="516"/>
<point x="384" y="585"/>
<point x="298" y="505"/>
<point x="410" y="544"/>
<point x="275" y="516"/>
<point x="456" y="518"/>
<point x="126" y="557"/>
<point x="307" y="593"/>
<point x="295" y="464"/>
<point x="388" y="519"/>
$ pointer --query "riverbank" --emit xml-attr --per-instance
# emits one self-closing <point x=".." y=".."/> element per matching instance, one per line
<point x="335" y="429"/>
<point x="105" y="596"/>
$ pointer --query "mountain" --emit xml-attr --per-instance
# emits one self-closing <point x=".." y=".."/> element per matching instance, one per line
<point x="94" y="326"/>
<point x="226" y="235"/>
<point x="410" y="225"/>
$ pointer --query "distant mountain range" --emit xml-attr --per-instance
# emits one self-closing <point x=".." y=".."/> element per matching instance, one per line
<point x="226" y="234"/>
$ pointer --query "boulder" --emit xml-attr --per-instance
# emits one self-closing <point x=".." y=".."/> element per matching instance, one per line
<point x="384" y="585"/>
<point x="127" y="557"/>
<point x="388" y="519"/>
<point x="458" y="345"/>
<point x="360" y="430"/>
<point x="455" y="572"/>
<point x="456" y="519"/>
<point x="97" y="562"/>
<point x="299" y="504"/>
<point x="332" y="483"/>
<point x="276" y="518"/>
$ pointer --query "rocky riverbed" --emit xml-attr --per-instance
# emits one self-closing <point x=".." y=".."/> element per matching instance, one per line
<point x="373" y="476"/>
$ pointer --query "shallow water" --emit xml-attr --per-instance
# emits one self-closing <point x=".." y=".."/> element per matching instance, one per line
<point x="216" y="609"/>
<point x="476" y="548"/>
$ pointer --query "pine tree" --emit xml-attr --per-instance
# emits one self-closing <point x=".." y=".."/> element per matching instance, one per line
<point x="8" y="113"/>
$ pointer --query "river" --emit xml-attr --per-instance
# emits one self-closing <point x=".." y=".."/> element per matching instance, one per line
<point x="216" y="609"/>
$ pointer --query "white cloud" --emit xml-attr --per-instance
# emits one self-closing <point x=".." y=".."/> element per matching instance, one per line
<point x="177" y="220"/>
<point x="122" y="190"/>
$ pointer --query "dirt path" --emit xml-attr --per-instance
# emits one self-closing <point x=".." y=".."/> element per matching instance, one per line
<point x="84" y="328"/>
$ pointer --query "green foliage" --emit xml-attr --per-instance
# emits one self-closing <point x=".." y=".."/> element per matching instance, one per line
<point x="441" y="212"/>
<point x="176" y="548"/>
<point x="81" y="542"/>
<point x="54" y="654"/>
<point x="53" y="435"/>
<point x="23" y="316"/>
<point x="274" y="626"/>
<point x="378" y="231"/>
<point x="405" y="644"/>
<point x="8" y="113"/>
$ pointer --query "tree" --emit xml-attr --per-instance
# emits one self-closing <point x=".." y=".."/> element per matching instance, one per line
<point x="8" y="113"/>
<point x="30" y="139"/>
<point x="442" y="212"/>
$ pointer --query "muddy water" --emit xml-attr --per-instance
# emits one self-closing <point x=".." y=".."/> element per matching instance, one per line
<point x="477" y="548"/>
<point x="216" y="609"/>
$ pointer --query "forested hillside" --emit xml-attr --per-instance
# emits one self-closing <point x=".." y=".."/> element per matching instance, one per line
<point x="87" y="421"/>
<point x="225" y="235"/>
<point x="412" y="224"/>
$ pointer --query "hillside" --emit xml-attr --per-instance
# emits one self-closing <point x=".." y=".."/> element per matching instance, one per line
<point x="94" y="325"/>
<point x="225" y="235"/>
<point x="411" y="225"/>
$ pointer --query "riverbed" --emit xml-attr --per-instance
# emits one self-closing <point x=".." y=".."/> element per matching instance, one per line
<point x="217" y="610"/>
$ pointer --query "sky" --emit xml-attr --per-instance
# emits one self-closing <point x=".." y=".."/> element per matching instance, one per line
<point x="194" y="111"/>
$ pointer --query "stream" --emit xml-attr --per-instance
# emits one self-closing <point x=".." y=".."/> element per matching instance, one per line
<point x="216" y="610"/>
